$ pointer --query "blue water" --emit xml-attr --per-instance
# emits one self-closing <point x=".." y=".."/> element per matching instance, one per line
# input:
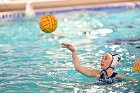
<point x="34" y="62"/>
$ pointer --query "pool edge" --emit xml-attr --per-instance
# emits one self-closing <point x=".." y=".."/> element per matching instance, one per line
<point x="21" y="13"/>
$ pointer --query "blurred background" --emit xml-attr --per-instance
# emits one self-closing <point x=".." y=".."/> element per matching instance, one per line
<point x="32" y="61"/>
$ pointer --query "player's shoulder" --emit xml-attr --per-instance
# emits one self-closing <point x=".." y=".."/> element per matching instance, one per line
<point x="120" y="76"/>
<point x="96" y="73"/>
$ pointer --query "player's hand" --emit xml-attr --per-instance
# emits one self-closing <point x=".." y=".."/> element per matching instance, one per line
<point x="68" y="46"/>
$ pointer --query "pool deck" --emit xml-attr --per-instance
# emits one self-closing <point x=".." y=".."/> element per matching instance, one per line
<point x="20" y="6"/>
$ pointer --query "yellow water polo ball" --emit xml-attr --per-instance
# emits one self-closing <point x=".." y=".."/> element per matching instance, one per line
<point x="48" y="23"/>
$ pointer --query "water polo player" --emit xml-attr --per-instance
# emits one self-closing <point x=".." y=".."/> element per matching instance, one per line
<point x="108" y="63"/>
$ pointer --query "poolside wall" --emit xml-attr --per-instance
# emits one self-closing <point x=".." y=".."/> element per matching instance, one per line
<point x="16" y="8"/>
<point x="15" y="5"/>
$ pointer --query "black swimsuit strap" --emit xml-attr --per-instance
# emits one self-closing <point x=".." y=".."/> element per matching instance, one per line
<point x="113" y="75"/>
<point x="103" y="75"/>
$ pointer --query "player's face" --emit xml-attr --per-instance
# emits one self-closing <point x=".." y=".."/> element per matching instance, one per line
<point x="105" y="61"/>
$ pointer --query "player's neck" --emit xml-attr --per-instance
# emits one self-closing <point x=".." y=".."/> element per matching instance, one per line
<point x="109" y="71"/>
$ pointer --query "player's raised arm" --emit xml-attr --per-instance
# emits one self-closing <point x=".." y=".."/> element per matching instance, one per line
<point x="77" y="65"/>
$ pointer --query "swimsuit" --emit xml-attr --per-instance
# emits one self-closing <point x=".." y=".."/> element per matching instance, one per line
<point x="105" y="79"/>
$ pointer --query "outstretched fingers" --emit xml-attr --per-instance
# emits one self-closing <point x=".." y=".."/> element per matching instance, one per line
<point x="66" y="45"/>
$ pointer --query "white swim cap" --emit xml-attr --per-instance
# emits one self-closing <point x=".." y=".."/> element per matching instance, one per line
<point x="115" y="59"/>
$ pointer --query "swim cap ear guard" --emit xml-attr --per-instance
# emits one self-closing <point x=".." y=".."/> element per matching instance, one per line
<point x="115" y="60"/>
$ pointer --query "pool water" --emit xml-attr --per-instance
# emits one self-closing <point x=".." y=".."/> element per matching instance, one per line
<point x="34" y="62"/>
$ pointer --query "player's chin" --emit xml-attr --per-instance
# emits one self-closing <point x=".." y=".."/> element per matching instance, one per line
<point x="102" y="66"/>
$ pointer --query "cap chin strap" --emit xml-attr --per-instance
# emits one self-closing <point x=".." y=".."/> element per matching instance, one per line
<point x="114" y="61"/>
<point x="110" y="63"/>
